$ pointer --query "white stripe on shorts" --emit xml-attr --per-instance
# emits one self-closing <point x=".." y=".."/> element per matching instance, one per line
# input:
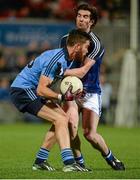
<point x="31" y="94"/>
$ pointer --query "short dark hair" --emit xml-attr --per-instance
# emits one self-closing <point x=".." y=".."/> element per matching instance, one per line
<point x="91" y="9"/>
<point x="77" y="36"/>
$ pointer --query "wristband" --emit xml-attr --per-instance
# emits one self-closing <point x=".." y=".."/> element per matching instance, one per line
<point x="60" y="97"/>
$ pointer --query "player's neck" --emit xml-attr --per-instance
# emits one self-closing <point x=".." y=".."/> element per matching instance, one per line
<point x="87" y="30"/>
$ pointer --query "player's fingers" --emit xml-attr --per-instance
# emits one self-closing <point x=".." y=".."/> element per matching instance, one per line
<point x="77" y="92"/>
<point x="70" y="88"/>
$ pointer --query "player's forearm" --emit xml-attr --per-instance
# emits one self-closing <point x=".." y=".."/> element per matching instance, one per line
<point x="80" y="72"/>
<point x="47" y="93"/>
<point x="44" y="90"/>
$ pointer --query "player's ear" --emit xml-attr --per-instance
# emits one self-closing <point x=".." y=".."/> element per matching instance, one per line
<point x="91" y="22"/>
<point x="77" y="47"/>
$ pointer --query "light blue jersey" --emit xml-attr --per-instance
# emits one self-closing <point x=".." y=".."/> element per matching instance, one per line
<point x="46" y="64"/>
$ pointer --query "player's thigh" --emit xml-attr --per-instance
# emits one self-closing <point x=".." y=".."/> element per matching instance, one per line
<point x="56" y="107"/>
<point x="85" y="118"/>
<point x="90" y="120"/>
<point x="51" y="114"/>
<point x="93" y="121"/>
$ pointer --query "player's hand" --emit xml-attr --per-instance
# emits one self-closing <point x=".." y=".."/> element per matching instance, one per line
<point x="69" y="96"/>
<point x="81" y="94"/>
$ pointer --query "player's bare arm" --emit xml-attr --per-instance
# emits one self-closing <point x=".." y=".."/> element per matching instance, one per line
<point x="81" y="72"/>
<point x="44" y="90"/>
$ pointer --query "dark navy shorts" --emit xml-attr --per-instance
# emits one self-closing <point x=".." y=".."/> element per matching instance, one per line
<point x="26" y="100"/>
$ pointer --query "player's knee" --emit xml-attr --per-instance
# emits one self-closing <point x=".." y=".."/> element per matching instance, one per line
<point x="87" y="136"/>
<point x="91" y="137"/>
<point x="73" y="130"/>
<point x="63" y="121"/>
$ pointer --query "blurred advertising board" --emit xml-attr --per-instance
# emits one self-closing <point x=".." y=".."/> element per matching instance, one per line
<point x="21" y="34"/>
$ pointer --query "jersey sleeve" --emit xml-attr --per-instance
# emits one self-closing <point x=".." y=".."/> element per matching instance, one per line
<point x="53" y="63"/>
<point x="96" y="49"/>
<point x="49" y="72"/>
<point x="47" y="65"/>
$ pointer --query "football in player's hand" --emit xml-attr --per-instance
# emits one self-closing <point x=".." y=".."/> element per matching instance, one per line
<point x="73" y="81"/>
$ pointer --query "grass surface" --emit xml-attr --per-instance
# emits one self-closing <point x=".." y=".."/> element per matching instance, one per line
<point x="19" y="144"/>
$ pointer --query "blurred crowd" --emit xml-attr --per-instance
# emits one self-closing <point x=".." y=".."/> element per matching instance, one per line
<point x="13" y="59"/>
<point x="61" y="9"/>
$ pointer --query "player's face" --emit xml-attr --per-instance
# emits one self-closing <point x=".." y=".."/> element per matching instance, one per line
<point x="83" y="20"/>
<point x="81" y="51"/>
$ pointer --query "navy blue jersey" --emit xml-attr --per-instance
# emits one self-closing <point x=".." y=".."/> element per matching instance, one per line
<point x="46" y="64"/>
<point x="96" y="51"/>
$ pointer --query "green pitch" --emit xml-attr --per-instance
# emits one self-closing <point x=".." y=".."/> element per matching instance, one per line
<point x="19" y="144"/>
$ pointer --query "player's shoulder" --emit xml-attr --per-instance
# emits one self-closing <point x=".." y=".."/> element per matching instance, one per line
<point x="94" y="37"/>
<point x="63" y="40"/>
<point x="97" y="48"/>
<point x="64" y="36"/>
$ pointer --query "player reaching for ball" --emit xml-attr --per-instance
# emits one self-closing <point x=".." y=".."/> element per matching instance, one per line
<point x="30" y="93"/>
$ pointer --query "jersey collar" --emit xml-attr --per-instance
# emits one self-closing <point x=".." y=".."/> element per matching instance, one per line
<point x="66" y="53"/>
